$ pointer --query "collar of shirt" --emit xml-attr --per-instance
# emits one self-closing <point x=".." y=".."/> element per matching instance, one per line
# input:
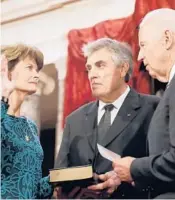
<point x="172" y="73"/>
<point x="117" y="104"/>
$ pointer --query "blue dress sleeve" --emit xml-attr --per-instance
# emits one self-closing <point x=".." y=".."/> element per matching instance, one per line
<point x="45" y="188"/>
<point x="4" y="108"/>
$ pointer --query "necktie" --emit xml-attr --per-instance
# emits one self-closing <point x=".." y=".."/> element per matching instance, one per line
<point x="105" y="122"/>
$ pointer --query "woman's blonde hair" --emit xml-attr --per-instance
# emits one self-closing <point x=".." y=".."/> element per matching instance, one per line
<point x="18" y="52"/>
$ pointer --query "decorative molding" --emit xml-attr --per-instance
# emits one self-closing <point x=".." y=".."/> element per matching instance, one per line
<point x="49" y="8"/>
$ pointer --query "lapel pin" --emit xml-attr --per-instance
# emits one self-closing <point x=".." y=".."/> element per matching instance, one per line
<point x="128" y="114"/>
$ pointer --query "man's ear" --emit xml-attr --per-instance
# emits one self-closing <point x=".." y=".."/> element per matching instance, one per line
<point x="168" y="39"/>
<point x="125" y="69"/>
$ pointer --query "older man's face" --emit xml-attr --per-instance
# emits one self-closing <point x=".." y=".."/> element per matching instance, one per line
<point x="152" y="52"/>
<point x="104" y="76"/>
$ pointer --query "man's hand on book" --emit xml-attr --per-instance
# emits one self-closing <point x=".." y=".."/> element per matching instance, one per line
<point x="110" y="182"/>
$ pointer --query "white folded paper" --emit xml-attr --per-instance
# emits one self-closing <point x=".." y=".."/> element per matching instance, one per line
<point x="106" y="153"/>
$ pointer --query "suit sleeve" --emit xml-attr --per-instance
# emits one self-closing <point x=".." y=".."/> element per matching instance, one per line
<point x="161" y="167"/>
<point x="62" y="159"/>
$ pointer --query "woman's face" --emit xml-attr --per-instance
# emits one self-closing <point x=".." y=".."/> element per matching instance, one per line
<point x="25" y="75"/>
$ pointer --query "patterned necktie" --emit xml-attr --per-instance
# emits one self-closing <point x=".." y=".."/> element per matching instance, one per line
<point x="105" y="122"/>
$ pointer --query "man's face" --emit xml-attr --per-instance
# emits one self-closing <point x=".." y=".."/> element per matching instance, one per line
<point x="104" y="76"/>
<point x="152" y="52"/>
<point x="25" y="75"/>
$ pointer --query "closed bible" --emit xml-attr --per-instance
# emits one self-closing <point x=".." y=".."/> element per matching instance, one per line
<point x="77" y="176"/>
<point x="73" y="182"/>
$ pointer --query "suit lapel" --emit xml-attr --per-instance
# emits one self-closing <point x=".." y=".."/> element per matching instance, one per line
<point x="90" y="124"/>
<point x="126" y="114"/>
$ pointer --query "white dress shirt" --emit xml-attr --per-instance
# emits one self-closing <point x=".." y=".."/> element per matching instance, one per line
<point x="172" y="73"/>
<point x="117" y="104"/>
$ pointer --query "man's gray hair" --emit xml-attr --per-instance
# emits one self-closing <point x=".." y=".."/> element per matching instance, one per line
<point x="121" y="51"/>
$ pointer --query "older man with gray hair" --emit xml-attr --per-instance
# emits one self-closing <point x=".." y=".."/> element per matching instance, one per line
<point x="156" y="173"/>
<point x="118" y="119"/>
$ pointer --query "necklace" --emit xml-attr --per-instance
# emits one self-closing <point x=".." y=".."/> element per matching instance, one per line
<point x="27" y="138"/>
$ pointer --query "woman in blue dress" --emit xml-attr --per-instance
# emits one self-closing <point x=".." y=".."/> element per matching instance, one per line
<point x="21" y="151"/>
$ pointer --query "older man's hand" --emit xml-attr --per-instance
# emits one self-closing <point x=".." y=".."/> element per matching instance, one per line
<point x="110" y="182"/>
<point x="122" y="168"/>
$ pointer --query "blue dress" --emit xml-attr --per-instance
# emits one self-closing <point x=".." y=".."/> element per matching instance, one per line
<point x="21" y="159"/>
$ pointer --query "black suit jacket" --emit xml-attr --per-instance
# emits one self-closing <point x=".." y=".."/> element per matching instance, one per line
<point x="157" y="172"/>
<point x="127" y="136"/>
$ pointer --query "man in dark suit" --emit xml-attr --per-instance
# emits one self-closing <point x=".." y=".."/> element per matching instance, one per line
<point x="118" y="120"/>
<point x="156" y="173"/>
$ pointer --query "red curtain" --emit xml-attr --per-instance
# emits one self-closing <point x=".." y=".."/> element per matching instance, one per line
<point x="77" y="89"/>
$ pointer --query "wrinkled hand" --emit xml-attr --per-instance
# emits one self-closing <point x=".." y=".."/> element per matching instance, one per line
<point x="110" y="182"/>
<point x="7" y="86"/>
<point x="122" y="168"/>
<point x="56" y="193"/>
